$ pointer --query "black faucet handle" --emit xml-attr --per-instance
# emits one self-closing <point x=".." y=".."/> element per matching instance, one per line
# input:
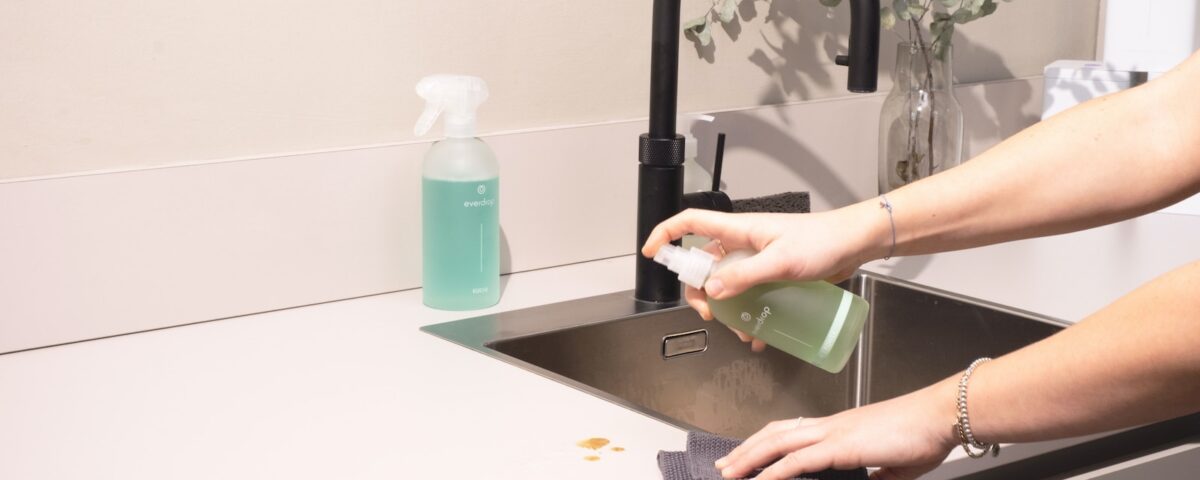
<point x="713" y="199"/>
<point x="718" y="162"/>
<point x="863" y="58"/>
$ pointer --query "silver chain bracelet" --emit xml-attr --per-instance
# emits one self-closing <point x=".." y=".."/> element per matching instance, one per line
<point x="973" y="447"/>
<point x="885" y="204"/>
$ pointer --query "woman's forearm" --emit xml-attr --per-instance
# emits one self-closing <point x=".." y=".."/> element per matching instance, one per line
<point x="1134" y="362"/>
<point x="1113" y="158"/>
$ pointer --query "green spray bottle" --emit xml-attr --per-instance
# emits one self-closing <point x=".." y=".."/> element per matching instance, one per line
<point x="814" y="321"/>
<point x="460" y="193"/>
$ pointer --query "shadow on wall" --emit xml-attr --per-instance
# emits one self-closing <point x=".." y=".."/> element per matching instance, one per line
<point x="804" y="39"/>
<point x="981" y="119"/>
<point x="800" y="41"/>
<point x="505" y="261"/>
<point x="800" y="57"/>
<point x="781" y="146"/>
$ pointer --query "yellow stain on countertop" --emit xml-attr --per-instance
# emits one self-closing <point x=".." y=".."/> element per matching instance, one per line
<point x="597" y="444"/>
<point x="594" y="443"/>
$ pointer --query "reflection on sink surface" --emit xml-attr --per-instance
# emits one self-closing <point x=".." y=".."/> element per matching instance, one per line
<point x="613" y="347"/>
<point x="725" y="389"/>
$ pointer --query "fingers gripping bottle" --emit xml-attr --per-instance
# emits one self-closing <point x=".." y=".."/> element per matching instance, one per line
<point x="460" y="215"/>
<point x="814" y="321"/>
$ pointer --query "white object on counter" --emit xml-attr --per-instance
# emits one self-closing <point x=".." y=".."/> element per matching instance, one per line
<point x="1150" y="35"/>
<point x="1071" y="82"/>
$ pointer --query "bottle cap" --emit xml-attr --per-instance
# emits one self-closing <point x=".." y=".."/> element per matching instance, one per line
<point x="457" y="96"/>
<point x="693" y="266"/>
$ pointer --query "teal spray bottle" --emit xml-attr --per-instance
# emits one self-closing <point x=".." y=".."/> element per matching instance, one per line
<point x="814" y="321"/>
<point x="460" y="193"/>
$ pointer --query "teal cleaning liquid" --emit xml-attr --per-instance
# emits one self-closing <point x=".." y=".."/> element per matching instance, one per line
<point x="460" y="243"/>
<point x="460" y="199"/>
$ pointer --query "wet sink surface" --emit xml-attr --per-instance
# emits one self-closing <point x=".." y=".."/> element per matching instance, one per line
<point x="613" y="347"/>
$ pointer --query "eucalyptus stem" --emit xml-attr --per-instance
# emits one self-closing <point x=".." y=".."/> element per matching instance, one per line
<point x="928" y="88"/>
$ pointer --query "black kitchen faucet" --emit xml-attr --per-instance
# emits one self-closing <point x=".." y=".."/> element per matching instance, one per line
<point x="660" y="151"/>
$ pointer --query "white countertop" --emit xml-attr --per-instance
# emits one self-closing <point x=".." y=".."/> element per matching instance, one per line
<point x="352" y="389"/>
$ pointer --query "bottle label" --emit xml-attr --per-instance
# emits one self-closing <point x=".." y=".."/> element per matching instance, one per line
<point x="460" y="243"/>
<point x="759" y="320"/>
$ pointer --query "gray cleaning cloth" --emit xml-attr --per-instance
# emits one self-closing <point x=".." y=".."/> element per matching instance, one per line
<point x="703" y="449"/>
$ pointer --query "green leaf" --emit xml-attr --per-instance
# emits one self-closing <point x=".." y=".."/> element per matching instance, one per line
<point x="727" y="11"/>
<point x="936" y="27"/>
<point x="985" y="8"/>
<point x="915" y="9"/>
<point x="901" y="9"/>
<point x="698" y="28"/>
<point x="887" y="18"/>
<point x="973" y="5"/>
<point x="943" y="33"/>
<point x="941" y="29"/>
<point x="950" y="3"/>
<point x="963" y="15"/>
<point x="831" y="3"/>
<point x="942" y="45"/>
<point x="989" y="7"/>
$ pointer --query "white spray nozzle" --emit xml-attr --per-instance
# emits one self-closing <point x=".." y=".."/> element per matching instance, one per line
<point x="458" y="96"/>
<point x="693" y="266"/>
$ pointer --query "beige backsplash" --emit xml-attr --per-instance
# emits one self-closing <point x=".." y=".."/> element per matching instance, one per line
<point x="95" y="255"/>
<point x="90" y="86"/>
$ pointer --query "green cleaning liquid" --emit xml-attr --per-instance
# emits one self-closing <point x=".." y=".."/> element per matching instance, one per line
<point x="460" y="243"/>
<point x="814" y="321"/>
<point x="817" y="322"/>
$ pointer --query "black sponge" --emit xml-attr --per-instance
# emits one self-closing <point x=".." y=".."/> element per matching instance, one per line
<point x="790" y="202"/>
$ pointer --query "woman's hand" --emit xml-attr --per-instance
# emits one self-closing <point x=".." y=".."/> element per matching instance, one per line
<point x="907" y="436"/>
<point x="699" y="301"/>
<point x="813" y="246"/>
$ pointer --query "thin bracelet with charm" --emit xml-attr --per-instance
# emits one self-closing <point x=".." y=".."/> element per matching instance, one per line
<point x="887" y="205"/>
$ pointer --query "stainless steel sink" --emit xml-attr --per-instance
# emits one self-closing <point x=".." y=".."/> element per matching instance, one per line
<point x="666" y="362"/>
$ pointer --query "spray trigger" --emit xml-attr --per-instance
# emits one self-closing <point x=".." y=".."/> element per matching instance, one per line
<point x="454" y="98"/>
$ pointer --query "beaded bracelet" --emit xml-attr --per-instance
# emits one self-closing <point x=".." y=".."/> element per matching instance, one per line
<point x="964" y="424"/>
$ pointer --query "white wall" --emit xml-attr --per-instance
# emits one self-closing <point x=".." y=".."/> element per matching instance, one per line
<point x="86" y="256"/>
<point x="92" y="85"/>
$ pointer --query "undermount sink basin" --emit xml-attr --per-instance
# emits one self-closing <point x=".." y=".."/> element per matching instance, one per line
<point x="669" y="364"/>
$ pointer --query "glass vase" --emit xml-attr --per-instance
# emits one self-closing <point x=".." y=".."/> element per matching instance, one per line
<point x="921" y="123"/>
